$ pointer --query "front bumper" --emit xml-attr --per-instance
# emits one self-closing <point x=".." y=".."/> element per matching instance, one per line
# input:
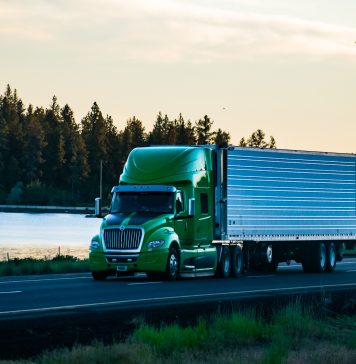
<point x="152" y="261"/>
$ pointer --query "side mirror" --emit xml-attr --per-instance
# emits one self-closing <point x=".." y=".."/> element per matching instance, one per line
<point x="98" y="207"/>
<point x="191" y="207"/>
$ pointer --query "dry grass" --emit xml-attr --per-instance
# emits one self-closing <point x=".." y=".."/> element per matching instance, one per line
<point x="322" y="353"/>
<point x="44" y="252"/>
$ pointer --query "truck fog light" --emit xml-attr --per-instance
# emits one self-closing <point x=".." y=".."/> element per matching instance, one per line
<point x="155" y="244"/>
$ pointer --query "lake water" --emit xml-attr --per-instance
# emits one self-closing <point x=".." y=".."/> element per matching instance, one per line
<point x="36" y="230"/>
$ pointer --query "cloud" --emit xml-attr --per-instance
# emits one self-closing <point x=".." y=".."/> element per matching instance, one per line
<point x="171" y="31"/>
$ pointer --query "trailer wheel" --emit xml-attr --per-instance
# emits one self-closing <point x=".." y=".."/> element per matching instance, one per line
<point x="224" y="265"/>
<point x="340" y="249"/>
<point x="330" y="257"/>
<point x="172" y="268"/>
<point x="237" y="261"/>
<point x="269" y="254"/>
<point x="316" y="259"/>
<point x="99" y="275"/>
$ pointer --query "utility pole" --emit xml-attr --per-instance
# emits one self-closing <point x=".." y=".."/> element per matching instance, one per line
<point x="101" y="179"/>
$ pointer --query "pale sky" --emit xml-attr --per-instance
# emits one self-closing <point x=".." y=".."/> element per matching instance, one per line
<point x="285" y="66"/>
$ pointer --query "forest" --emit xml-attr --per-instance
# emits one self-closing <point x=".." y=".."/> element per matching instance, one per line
<point x="48" y="158"/>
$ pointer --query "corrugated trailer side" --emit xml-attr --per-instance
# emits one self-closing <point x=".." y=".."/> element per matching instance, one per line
<point x="282" y="196"/>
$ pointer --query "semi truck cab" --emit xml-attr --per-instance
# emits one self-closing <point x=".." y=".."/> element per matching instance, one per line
<point x="161" y="216"/>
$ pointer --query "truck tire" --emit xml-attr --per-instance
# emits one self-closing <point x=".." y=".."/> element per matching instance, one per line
<point x="224" y="265"/>
<point x="315" y="261"/>
<point x="340" y="249"/>
<point x="330" y="257"/>
<point x="99" y="275"/>
<point x="172" y="269"/>
<point x="237" y="261"/>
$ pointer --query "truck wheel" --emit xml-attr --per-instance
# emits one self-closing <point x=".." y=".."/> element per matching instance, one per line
<point x="269" y="255"/>
<point x="223" y="268"/>
<point x="237" y="261"/>
<point x="172" y="268"/>
<point x="316" y="259"/>
<point x="340" y="249"/>
<point x="99" y="276"/>
<point x="330" y="257"/>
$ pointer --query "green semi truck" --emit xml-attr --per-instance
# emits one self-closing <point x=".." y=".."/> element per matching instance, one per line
<point x="186" y="211"/>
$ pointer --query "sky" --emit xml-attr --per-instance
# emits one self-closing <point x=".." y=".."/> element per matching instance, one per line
<point x="284" y="66"/>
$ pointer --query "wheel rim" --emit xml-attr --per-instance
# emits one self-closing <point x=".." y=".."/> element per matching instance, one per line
<point x="226" y="264"/>
<point x="332" y="255"/>
<point x="238" y="262"/>
<point x="269" y="254"/>
<point x="173" y="265"/>
<point x="322" y="256"/>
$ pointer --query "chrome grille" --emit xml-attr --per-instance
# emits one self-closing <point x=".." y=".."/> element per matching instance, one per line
<point x="127" y="239"/>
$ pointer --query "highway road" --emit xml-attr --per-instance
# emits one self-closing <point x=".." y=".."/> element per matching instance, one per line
<point x="50" y="294"/>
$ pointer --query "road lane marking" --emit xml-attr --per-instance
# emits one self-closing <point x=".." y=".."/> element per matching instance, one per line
<point x="350" y="271"/>
<point x="10" y="292"/>
<point x="43" y="280"/>
<point x="160" y="299"/>
<point x="265" y="276"/>
<point x="142" y="283"/>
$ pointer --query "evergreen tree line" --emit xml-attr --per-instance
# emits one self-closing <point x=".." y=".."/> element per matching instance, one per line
<point x="47" y="158"/>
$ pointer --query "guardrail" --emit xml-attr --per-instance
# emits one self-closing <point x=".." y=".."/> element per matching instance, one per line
<point x="39" y="209"/>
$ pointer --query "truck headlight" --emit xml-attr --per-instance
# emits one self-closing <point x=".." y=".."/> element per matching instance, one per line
<point x="155" y="244"/>
<point x="94" y="244"/>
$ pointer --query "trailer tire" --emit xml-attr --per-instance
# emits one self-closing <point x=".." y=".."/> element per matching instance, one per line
<point x="224" y="265"/>
<point x="99" y="275"/>
<point x="237" y="261"/>
<point x="330" y="257"/>
<point x="172" y="268"/>
<point x="340" y="249"/>
<point x="316" y="260"/>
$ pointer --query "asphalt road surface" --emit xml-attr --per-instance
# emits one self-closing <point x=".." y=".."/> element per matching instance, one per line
<point x="50" y="294"/>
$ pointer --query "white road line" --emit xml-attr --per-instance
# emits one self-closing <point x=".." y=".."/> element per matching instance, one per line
<point x="160" y="299"/>
<point x="43" y="280"/>
<point x="265" y="276"/>
<point x="350" y="271"/>
<point x="142" y="283"/>
<point x="10" y="292"/>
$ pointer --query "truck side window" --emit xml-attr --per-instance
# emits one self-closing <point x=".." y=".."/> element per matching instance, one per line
<point x="204" y="203"/>
<point x="179" y="202"/>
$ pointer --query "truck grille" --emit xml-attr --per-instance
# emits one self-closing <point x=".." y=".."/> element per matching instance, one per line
<point x="127" y="239"/>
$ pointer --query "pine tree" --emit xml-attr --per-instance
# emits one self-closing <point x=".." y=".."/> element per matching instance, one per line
<point x="34" y="144"/>
<point x="203" y="130"/>
<point x="76" y="167"/>
<point x="222" y="138"/>
<point x="133" y="136"/>
<point x="11" y="149"/>
<point x="114" y="163"/>
<point x="54" y="151"/>
<point x="258" y="140"/>
<point x="94" y="135"/>
<point x="156" y="137"/>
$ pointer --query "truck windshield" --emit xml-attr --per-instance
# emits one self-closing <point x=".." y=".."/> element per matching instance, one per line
<point x="161" y="202"/>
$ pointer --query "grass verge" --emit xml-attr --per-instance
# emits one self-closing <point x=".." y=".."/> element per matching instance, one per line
<point x="294" y="334"/>
<point x="58" y="264"/>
